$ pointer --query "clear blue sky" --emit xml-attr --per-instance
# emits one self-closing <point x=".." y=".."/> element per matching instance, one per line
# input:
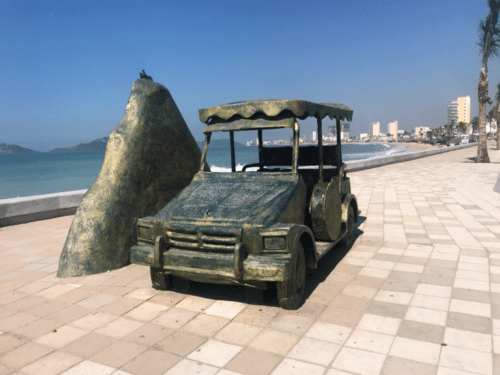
<point x="67" y="67"/>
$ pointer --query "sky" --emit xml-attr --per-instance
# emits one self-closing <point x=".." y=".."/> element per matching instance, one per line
<point x="67" y="67"/>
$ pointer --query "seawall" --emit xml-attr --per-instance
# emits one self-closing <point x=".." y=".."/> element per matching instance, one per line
<point x="40" y="207"/>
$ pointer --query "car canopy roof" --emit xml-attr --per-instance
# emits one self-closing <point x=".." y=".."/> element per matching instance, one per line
<point x="261" y="114"/>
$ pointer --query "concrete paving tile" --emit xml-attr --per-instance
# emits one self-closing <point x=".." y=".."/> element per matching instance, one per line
<point x="275" y="342"/>
<point x="400" y="298"/>
<point x="146" y="311"/>
<point x="430" y="302"/>
<point x="55" y="291"/>
<point x="52" y="364"/>
<point x="294" y="367"/>
<point x="93" y="321"/>
<point x="297" y="325"/>
<point x="205" y="325"/>
<point x="421" y="331"/>
<point x="415" y="350"/>
<point x="25" y="303"/>
<point x="468" y="339"/>
<point x="473" y="308"/>
<point x="257" y="315"/>
<point x="15" y="321"/>
<point x="251" y="362"/>
<point x="69" y="314"/>
<point x="120" y="306"/>
<point x="374" y="272"/>
<point x="370" y="341"/>
<point x="148" y="335"/>
<point x="238" y="333"/>
<point x="428" y="316"/>
<point x="329" y="332"/>
<point x="315" y="351"/>
<point x="225" y="309"/>
<point x="46" y="308"/>
<point x="180" y="343"/>
<point x="359" y="361"/>
<point x="380" y="324"/>
<point x="387" y="309"/>
<point x="466" y="360"/>
<point x="142" y="293"/>
<point x="37" y="328"/>
<point x="97" y="301"/>
<point x="340" y="316"/>
<point x="151" y="362"/>
<point x="60" y="337"/>
<point x="24" y="355"/>
<point x="359" y="291"/>
<point x="194" y="303"/>
<point x="119" y="328"/>
<point x="396" y="365"/>
<point x="118" y="353"/>
<point x="89" y="368"/>
<point x="88" y="345"/>
<point x="215" y="353"/>
<point x="434" y="290"/>
<point x="187" y="366"/>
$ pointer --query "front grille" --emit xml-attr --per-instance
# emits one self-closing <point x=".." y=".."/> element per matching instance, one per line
<point x="202" y="241"/>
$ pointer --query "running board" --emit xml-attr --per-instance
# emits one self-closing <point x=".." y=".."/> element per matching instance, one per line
<point x="324" y="247"/>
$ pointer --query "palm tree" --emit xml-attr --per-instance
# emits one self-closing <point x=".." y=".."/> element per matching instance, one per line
<point x="489" y="43"/>
<point x="462" y="127"/>
<point x="495" y="114"/>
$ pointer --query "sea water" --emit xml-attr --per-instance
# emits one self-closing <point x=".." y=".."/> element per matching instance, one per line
<point x="23" y="175"/>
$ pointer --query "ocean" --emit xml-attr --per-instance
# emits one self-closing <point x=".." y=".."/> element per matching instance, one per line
<point x="23" y="175"/>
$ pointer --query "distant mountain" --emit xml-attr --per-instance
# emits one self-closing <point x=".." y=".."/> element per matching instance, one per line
<point x="6" y="149"/>
<point x="95" y="145"/>
<point x="219" y="143"/>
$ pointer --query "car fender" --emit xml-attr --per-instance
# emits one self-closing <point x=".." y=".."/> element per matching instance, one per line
<point x="298" y="232"/>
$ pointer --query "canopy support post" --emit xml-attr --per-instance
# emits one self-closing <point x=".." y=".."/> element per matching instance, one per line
<point x="320" y="149"/>
<point x="259" y="136"/>
<point x="233" y="156"/>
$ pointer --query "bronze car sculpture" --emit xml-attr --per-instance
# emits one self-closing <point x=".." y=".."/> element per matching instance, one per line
<point x="253" y="227"/>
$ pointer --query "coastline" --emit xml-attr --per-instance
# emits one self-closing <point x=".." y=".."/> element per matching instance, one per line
<point x="26" y="209"/>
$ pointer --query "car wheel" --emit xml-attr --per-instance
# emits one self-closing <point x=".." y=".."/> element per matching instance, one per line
<point x="291" y="292"/>
<point x="160" y="280"/>
<point x="348" y="239"/>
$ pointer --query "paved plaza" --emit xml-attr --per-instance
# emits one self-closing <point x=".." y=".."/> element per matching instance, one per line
<point x="418" y="293"/>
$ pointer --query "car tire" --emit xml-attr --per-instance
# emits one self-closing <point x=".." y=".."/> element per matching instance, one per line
<point x="348" y="239"/>
<point x="160" y="280"/>
<point x="291" y="292"/>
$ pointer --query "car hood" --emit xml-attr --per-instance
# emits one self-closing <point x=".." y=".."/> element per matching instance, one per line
<point x="231" y="200"/>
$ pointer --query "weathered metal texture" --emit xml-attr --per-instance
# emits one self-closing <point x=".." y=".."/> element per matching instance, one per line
<point x="219" y="201"/>
<point x="247" y="124"/>
<point x="150" y="157"/>
<point x="326" y="211"/>
<point x="299" y="108"/>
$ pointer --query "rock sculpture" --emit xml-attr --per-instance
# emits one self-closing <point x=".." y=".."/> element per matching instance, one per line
<point x="150" y="157"/>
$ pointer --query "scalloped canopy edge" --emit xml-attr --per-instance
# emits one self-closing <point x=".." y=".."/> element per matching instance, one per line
<point x="271" y="108"/>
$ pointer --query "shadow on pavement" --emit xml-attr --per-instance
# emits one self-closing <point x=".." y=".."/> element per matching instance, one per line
<point x="268" y="297"/>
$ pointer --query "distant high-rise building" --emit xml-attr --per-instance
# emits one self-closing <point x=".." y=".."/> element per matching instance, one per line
<point x="392" y="129"/>
<point x="464" y="109"/>
<point x="345" y="130"/>
<point x="453" y="113"/>
<point x="314" y="138"/>
<point x="459" y="110"/>
<point x="374" y="129"/>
